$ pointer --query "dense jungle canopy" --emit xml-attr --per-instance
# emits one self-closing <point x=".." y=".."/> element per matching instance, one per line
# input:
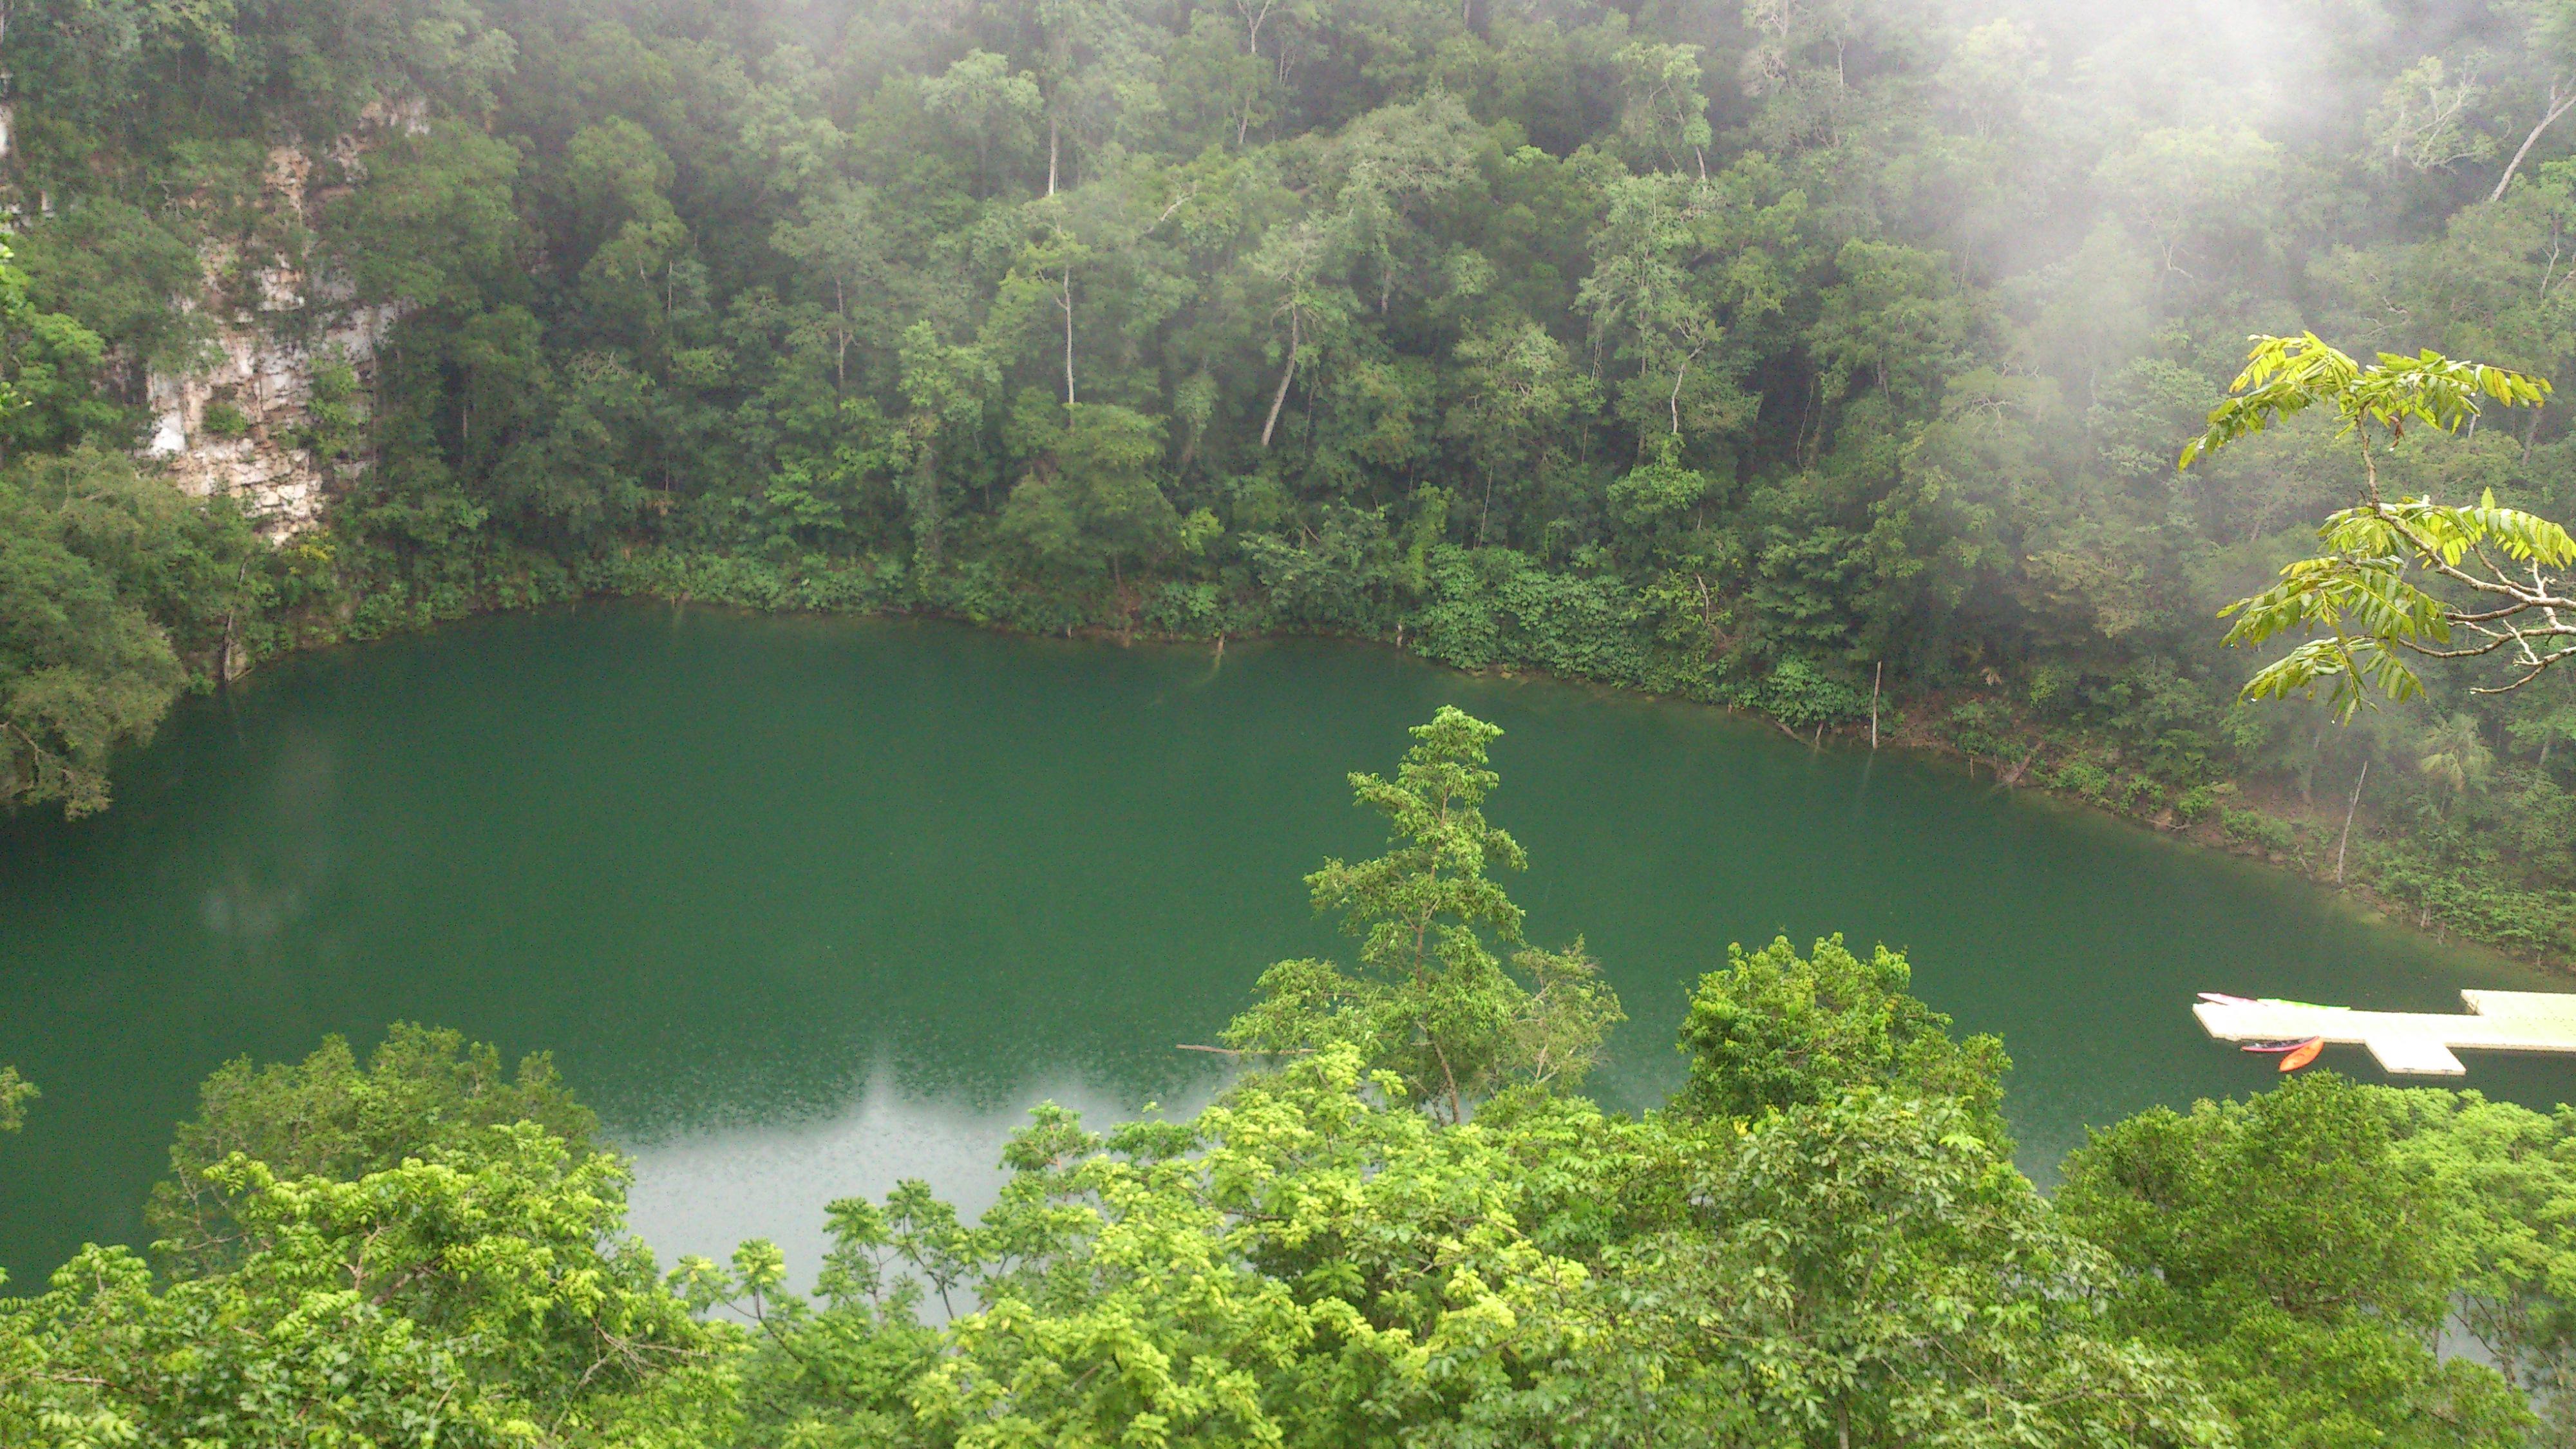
<point x="1782" y="354"/>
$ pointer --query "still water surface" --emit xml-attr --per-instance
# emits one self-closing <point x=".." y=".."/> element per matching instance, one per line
<point x="805" y="906"/>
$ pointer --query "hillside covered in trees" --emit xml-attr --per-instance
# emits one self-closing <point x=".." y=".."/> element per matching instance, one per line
<point x="1769" y="353"/>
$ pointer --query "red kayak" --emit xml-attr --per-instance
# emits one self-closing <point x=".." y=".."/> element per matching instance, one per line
<point x="2304" y="1053"/>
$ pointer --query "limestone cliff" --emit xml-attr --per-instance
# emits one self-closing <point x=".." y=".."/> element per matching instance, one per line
<point x="243" y="422"/>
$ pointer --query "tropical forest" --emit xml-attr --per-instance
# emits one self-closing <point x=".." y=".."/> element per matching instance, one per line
<point x="812" y="723"/>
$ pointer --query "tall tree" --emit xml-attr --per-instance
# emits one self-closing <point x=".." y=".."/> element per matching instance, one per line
<point x="1434" y="1003"/>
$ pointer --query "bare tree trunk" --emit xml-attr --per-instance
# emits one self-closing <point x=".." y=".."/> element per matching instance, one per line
<point x="2347" y="820"/>
<point x="1875" y="679"/>
<point x="2557" y="108"/>
<point x="1279" y="399"/>
<point x="1675" y="401"/>
<point x="1457" y="1107"/>
<point x="1068" y="334"/>
<point x="841" y="359"/>
<point x="232" y="611"/>
<point x="1051" y="152"/>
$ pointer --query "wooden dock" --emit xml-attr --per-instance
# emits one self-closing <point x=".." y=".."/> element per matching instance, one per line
<point x="2409" y="1043"/>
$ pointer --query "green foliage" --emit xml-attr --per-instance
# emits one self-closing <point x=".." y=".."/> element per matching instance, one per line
<point x="223" y="420"/>
<point x="1435" y="1006"/>
<point x="434" y="224"/>
<point x="1772" y="1032"/>
<point x="335" y="420"/>
<point x="2284" y="376"/>
<point x="1097" y="504"/>
<point x="2285" y="1242"/>
<point x="2357" y="593"/>
<point x="2502" y="1171"/>
<point x="108" y="577"/>
<point x="486" y="1298"/>
<point x="1871" y="1270"/>
<point x="15" y="1093"/>
<point x="1818" y="362"/>
<point x="422" y="1094"/>
<point x="1822" y="1242"/>
<point x="48" y="363"/>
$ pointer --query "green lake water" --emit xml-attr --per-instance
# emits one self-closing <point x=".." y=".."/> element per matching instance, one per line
<point x="805" y="906"/>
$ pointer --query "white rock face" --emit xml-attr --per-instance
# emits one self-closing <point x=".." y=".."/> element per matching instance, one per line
<point x="237" y="425"/>
<point x="268" y="384"/>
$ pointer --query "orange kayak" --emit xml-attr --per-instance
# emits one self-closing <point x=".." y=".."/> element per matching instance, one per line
<point x="2303" y="1054"/>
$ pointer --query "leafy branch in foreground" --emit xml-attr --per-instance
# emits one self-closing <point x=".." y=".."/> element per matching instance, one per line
<point x="2356" y="597"/>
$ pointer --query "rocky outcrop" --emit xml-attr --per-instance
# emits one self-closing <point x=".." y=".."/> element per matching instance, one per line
<point x="244" y="425"/>
<point x="245" y="422"/>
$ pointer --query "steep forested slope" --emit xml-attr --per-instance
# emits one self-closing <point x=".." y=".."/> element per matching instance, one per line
<point x="1762" y="352"/>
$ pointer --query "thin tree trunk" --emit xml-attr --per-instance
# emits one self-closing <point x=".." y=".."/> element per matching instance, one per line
<point x="841" y="359"/>
<point x="1068" y="334"/>
<point x="1875" y="680"/>
<point x="1051" y="153"/>
<point x="2348" y="810"/>
<point x="1457" y="1108"/>
<point x="2557" y="108"/>
<point x="1679" y="373"/>
<point x="232" y="611"/>
<point x="1279" y="398"/>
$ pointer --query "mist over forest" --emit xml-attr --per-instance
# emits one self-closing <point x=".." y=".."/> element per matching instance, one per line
<point x="1776" y="354"/>
<point x="1828" y="360"/>
<point x="1780" y="354"/>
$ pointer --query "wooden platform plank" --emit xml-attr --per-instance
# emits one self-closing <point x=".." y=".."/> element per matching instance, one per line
<point x="2412" y="1043"/>
<point x="2521" y="1003"/>
<point x="2415" y="1056"/>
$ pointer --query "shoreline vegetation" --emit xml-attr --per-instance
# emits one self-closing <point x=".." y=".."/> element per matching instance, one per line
<point x="1983" y="732"/>
<point x="1791" y="355"/>
<point x="1403" y="1224"/>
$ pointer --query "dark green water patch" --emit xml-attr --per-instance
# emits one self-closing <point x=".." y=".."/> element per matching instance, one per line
<point x="806" y="905"/>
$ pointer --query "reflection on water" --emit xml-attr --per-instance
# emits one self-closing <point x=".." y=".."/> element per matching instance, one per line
<point x="704" y="1191"/>
<point x="251" y="909"/>
<point x="804" y="906"/>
